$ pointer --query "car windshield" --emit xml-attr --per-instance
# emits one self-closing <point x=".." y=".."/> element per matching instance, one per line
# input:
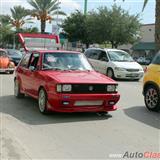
<point x="120" y="56"/>
<point x="65" y="61"/>
<point x="3" y="53"/>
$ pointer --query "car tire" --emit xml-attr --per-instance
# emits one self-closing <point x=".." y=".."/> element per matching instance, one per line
<point x="110" y="73"/>
<point x="17" y="91"/>
<point x="42" y="101"/>
<point x="152" y="98"/>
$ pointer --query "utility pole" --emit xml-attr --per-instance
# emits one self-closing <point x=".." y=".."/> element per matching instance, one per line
<point x="85" y="7"/>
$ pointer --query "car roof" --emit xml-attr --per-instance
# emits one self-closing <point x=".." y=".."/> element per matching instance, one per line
<point x="56" y="51"/>
<point x="106" y="49"/>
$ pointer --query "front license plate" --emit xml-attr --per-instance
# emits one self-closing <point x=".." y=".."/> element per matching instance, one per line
<point x="88" y="103"/>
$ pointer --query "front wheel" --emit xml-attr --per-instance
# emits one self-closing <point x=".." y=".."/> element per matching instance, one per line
<point x="42" y="101"/>
<point x="152" y="98"/>
<point x="110" y="73"/>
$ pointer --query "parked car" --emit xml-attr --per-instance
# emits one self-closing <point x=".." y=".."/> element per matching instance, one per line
<point x="6" y="66"/>
<point x="114" y="63"/>
<point x="64" y="81"/>
<point x="143" y="61"/>
<point x="151" y="87"/>
<point x="14" y="55"/>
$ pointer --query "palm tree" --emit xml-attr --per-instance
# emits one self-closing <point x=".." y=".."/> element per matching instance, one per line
<point x="19" y="17"/>
<point x="45" y="10"/>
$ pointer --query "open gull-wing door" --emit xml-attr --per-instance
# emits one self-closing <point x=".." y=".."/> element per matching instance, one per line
<point x="36" y="41"/>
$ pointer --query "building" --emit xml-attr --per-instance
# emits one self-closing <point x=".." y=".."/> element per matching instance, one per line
<point x="146" y="45"/>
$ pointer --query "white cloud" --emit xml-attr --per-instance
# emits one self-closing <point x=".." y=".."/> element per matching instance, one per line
<point x="66" y="5"/>
<point x="69" y="5"/>
<point x="5" y="5"/>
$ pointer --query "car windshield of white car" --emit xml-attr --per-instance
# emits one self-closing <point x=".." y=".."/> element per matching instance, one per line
<point x="120" y="56"/>
<point x="65" y="62"/>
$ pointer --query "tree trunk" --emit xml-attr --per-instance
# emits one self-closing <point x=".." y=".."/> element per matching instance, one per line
<point x="157" y="25"/>
<point x="87" y="45"/>
<point x="43" y="26"/>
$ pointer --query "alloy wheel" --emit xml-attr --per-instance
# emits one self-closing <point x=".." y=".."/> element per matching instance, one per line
<point x="151" y="98"/>
<point x="42" y="101"/>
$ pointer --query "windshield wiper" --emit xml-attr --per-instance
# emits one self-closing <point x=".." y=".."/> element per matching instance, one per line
<point x="56" y="69"/>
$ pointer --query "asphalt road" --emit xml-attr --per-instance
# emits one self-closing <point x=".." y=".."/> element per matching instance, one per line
<point x="26" y="134"/>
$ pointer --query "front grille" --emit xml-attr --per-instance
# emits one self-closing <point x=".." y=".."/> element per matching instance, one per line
<point x="132" y="70"/>
<point x="89" y="88"/>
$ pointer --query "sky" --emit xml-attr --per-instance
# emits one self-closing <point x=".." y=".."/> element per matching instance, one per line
<point x="69" y="6"/>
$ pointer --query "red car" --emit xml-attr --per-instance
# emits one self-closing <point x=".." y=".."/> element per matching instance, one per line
<point x="64" y="81"/>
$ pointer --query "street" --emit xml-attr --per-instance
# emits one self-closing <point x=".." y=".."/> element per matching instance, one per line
<point x="27" y="134"/>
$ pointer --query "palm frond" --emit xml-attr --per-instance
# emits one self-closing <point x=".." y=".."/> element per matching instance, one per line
<point x="144" y="5"/>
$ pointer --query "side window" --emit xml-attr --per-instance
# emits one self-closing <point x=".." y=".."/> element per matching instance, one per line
<point x="34" y="60"/>
<point x="25" y="61"/>
<point x="103" y="56"/>
<point x="94" y="54"/>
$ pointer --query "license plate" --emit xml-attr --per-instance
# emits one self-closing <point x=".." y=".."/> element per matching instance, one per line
<point x="88" y="103"/>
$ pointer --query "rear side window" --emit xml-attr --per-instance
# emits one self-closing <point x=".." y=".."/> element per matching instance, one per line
<point x="156" y="59"/>
<point x="25" y="61"/>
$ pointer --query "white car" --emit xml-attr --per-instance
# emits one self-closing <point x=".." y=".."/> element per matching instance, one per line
<point x="114" y="63"/>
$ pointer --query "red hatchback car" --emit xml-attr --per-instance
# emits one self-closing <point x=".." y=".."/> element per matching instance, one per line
<point x="64" y="81"/>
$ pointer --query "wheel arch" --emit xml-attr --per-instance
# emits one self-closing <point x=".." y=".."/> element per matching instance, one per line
<point x="150" y="83"/>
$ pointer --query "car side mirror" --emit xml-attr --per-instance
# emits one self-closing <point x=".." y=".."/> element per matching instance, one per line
<point x="32" y="68"/>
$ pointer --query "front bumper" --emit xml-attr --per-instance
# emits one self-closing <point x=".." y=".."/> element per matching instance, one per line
<point x="68" y="102"/>
<point x="128" y="75"/>
<point x="4" y="70"/>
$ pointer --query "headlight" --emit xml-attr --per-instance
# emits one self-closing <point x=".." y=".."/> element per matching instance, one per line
<point x="64" y="88"/>
<point x="111" y="88"/>
<point x="120" y="69"/>
<point x="11" y="65"/>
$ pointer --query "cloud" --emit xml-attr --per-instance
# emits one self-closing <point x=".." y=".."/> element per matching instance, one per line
<point x="70" y="5"/>
<point x="67" y="6"/>
<point x="5" y="5"/>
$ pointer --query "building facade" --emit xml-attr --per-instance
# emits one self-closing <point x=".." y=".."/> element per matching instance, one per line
<point x="146" y="45"/>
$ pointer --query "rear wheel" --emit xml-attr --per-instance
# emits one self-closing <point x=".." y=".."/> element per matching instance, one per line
<point x="17" y="92"/>
<point x="152" y="98"/>
<point x="42" y="101"/>
<point x="110" y="73"/>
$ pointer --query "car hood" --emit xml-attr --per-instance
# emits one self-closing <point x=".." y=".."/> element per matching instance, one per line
<point x="78" y="77"/>
<point x="128" y="65"/>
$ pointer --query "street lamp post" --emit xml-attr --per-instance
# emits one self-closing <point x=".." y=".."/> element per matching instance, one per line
<point x="85" y="7"/>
